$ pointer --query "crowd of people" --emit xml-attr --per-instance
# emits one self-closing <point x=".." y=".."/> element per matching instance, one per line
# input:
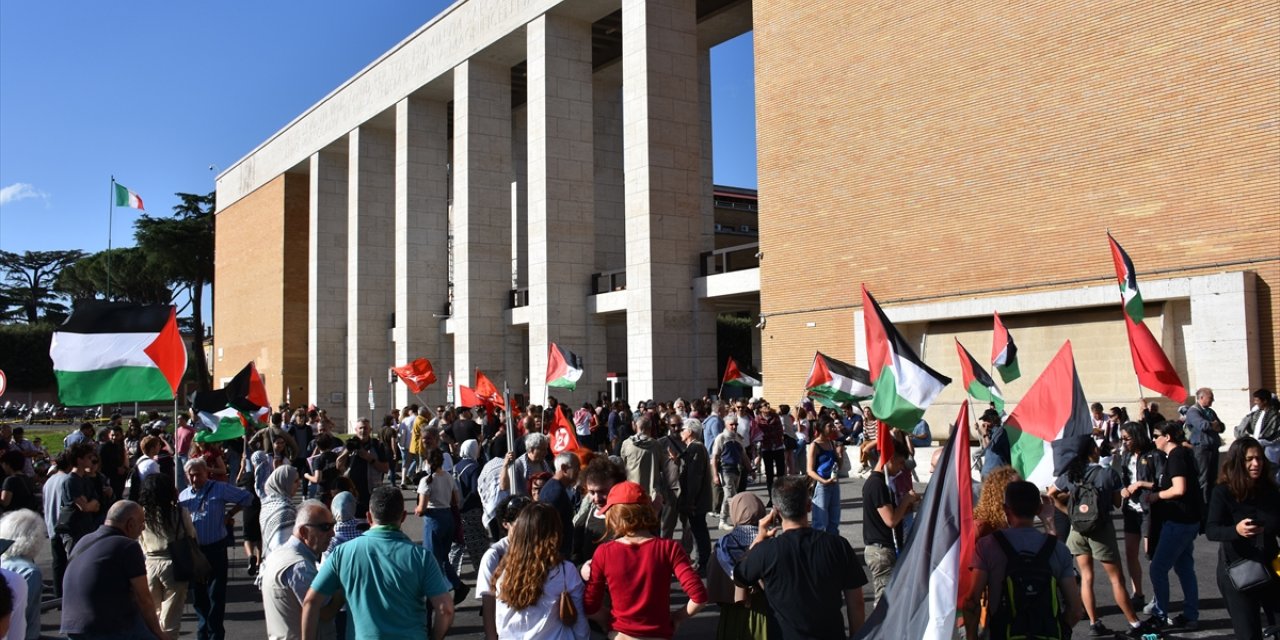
<point x="574" y="542"/>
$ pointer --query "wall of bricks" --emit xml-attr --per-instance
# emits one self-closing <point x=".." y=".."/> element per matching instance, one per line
<point x="936" y="150"/>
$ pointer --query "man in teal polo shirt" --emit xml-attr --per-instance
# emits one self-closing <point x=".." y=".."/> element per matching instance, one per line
<point x="385" y="577"/>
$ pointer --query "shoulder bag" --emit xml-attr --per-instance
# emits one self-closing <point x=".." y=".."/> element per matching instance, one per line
<point x="567" y="612"/>
<point x="189" y="562"/>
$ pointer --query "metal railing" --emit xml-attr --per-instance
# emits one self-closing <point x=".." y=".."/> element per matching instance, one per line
<point x="607" y="281"/>
<point x="519" y="298"/>
<point x="735" y="258"/>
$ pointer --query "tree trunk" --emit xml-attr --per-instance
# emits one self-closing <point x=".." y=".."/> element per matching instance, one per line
<point x="197" y="317"/>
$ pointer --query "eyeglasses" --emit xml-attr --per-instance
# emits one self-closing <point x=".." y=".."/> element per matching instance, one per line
<point x="321" y="526"/>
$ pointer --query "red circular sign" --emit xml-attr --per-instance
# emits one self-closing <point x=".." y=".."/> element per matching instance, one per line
<point x="3" y="382"/>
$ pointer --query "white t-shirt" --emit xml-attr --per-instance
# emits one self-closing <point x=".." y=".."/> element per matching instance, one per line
<point x="541" y="620"/>
<point x="439" y="491"/>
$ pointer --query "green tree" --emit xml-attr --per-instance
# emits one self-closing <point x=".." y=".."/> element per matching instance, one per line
<point x="180" y="249"/>
<point x="28" y="284"/>
<point x="132" y="278"/>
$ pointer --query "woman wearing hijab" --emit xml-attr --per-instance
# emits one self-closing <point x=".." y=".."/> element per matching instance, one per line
<point x="474" y="535"/>
<point x="744" y="612"/>
<point x="278" y="513"/>
<point x="346" y="526"/>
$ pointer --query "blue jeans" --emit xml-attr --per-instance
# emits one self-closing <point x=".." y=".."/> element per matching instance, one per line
<point x="437" y="537"/>
<point x="826" y="508"/>
<point x="1174" y="551"/>
<point x="408" y="465"/>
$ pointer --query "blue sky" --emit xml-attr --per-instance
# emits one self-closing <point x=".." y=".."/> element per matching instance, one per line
<point x="155" y="93"/>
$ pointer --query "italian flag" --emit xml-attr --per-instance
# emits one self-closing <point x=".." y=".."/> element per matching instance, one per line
<point x="932" y="574"/>
<point x="127" y="198"/>
<point x="118" y="352"/>
<point x="977" y="381"/>
<point x="838" y="381"/>
<point x="904" y="386"/>
<point x="1004" y="353"/>
<point x="564" y="367"/>
<point x="738" y="377"/>
<point x="1150" y="363"/>
<point x="1053" y="408"/>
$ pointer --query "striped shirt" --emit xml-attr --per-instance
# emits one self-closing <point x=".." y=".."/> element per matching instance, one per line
<point x="208" y="508"/>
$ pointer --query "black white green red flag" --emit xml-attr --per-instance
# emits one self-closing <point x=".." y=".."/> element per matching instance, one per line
<point x="1004" y="353"/>
<point x="564" y="367"/>
<point x="1150" y="363"/>
<point x="737" y="376"/>
<point x="931" y="577"/>
<point x="1053" y="408"/>
<point x="904" y="385"/>
<point x="838" y="381"/>
<point x="118" y="352"/>
<point x="977" y="382"/>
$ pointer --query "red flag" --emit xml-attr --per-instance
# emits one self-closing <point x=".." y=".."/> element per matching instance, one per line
<point x="968" y="535"/>
<point x="563" y="436"/>
<point x="467" y="397"/>
<point x="416" y="375"/>
<point x="884" y="442"/>
<point x="489" y="394"/>
<point x="1151" y="365"/>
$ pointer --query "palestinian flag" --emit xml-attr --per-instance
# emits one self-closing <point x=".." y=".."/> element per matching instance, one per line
<point x="1150" y="363"/>
<point x="564" y="367"/>
<point x="823" y="400"/>
<point x="247" y="392"/>
<point x="216" y="419"/>
<point x="1004" y="353"/>
<point x="932" y="575"/>
<point x="977" y="381"/>
<point x="904" y="386"/>
<point x="118" y="352"/>
<point x="838" y="381"/>
<point x="416" y="375"/>
<point x="1128" y="278"/>
<point x="1053" y="408"/>
<point x="487" y="392"/>
<point x="737" y="376"/>
<point x="127" y="198"/>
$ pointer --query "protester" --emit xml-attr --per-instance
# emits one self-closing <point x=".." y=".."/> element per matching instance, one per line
<point x="598" y="478"/>
<point x="988" y="514"/>
<point x="507" y="514"/>
<point x="17" y="492"/>
<point x="883" y="514"/>
<point x="532" y="579"/>
<point x="288" y="572"/>
<point x="386" y="580"/>
<point x="1087" y="492"/>
<point x="166" y="523"/>
<point x="1203" y="430"/>
<point x="278" y="513"/>
<point x="744" y="610"/>
<point x="53" y="509"/>
<point x="1175" y="500"/>
<point x="105" y="592"/>
<point x="1244" y="516"/>
<point x="728" y="463"/>
<point x="78" y="498"/>
<point x="1140" y="464"/>
<point x="773" y="447"/>
<point x="25" y="529"/>
<point x="475" y="539"/>
<point x="489" y="486"/>
<point x="206" y="500"/>
<point x="649" y="465"/>
<point x="1016" y="555"/>
<point x="1262" y="423"/>
<point x="519" y="469"/>
<point x="367" y="460"/>
<point x="822" y="467"/>
<point x="347" y="526"/>
<point x="13" y="592"/>
<point x="995" y="442"/>
<point x="437" y="498"/>
<point x="808" y="574"/>
<point x="635" y="570"/>
<point x="557" y="492"/>
<point x="184" y="434"/>
<point x="695" y="494"/>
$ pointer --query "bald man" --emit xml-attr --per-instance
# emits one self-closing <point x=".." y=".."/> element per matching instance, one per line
<point x="105" y="592"/>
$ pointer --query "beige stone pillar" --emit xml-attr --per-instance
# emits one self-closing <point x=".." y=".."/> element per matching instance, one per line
<point x="663" y="164"/>
<point x="327" y="283"/>
<point x="561" y="198"/>
<point x="421" y="239"/>
<point x="370" y="268"/>
<point x="482" y="179"/>
<point x="608" y="350"/>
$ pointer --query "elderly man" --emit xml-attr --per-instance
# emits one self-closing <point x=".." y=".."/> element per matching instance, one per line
<point x="557" y="493"/>
<point x="649" y="465"/>
<point x="367" y="462"/>
<point x="1204" y="430"/>
<point x="695" y="491"/>
<point x="206" y="500"/>
<point x="105" y="592"/>
<point x="290" y="569"/>
<point x="385" y="577"/>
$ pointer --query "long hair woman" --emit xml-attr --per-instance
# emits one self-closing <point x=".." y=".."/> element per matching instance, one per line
<point x="166" y="522"/>
<point x="988" y="515"/>
<point x="1244" y="516"/>
<point x="530" y="578"/>
<point x="823" y="465"/>
<point x="634" y="569"/>
<point x="1140" y="464"/>
<point x="278" y="513"/>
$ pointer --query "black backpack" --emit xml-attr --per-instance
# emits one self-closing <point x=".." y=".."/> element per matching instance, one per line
<point x="1084" y="506"/>
<point x="1032" y="607"/>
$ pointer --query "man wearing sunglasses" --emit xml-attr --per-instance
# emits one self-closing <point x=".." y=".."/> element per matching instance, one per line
<point x="289" y="570"/>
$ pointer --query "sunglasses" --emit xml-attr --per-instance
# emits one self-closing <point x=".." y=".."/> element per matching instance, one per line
<point x="321" y="526"/>
<point x="1157" y="436"/>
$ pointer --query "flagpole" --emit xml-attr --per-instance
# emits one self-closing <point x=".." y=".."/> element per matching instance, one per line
<point x="111" y="194"/>
<point x="506" y="399"/>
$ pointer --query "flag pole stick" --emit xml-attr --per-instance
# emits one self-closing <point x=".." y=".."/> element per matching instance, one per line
<point x="506" y="399"/>
<point x="111" y="194"/>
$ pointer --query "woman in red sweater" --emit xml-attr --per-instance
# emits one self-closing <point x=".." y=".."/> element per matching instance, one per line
<point x="634" y="571"/>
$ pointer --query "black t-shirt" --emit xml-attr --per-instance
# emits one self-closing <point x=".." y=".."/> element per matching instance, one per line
<point x="76" y="486"/>
<point x="464" y="430"/>
<point x="1186" y="508"/>
<point x="876" y="494"/>
<point x="97" y="597"/>
<point x="22" y="493"/>
<point x="554" y="494"/>
<point x="805" y="572"/>
<point x="360" y="471"/>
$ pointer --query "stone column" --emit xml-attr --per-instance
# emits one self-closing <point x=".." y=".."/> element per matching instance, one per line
<point x="421" y="240"/>
<point x="608" y="350"/>
<point x="662" y="161"/>
<point x="1222" y="342"/>
<point x="561" y="196"/>
<point x="327" y="283"/>
<point x="481" y="217"/>
<point x="370" y="268"/>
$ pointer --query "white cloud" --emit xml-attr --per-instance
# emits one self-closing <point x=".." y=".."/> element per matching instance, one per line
<point x="20" y="191"/>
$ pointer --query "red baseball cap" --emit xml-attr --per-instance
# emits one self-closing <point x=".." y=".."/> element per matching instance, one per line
<point x="626" y="493"/>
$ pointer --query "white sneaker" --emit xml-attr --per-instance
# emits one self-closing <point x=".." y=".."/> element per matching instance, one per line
<point x="725" y="526"/>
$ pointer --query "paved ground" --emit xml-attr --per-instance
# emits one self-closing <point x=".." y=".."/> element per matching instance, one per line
<point x="244" y="613"/>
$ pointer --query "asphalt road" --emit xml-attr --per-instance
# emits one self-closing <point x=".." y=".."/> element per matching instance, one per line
<point x="244" y="610"/>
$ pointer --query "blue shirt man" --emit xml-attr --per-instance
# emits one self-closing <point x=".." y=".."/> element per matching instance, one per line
<point x="207" y="502"/>
<point x="714" y="424"/>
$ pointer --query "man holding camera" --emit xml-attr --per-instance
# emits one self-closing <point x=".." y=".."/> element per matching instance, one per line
<point x="367" y="462"/>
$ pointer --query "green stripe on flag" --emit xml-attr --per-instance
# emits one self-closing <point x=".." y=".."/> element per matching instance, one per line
<point x="1009" y="372"/>
<point x="891" y="408"/>
<point x="1026" y="451"/>
<point x="117" y="384"/>
<point x="980" y="392"/>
